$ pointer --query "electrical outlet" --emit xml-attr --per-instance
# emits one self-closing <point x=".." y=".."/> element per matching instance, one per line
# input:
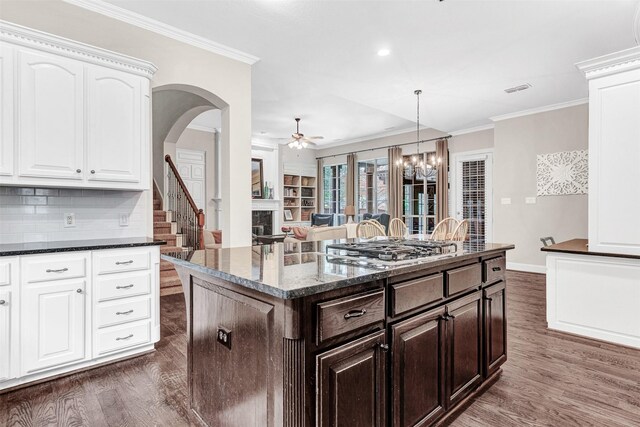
<point x="224" y="337"/>
<point x="69" y="220"/>
<point x="530" y="200"/>
<point x="505" y="201"/>
<point x="124" y="219"/>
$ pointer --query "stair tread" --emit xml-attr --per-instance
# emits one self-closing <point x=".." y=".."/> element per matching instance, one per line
<point x="165" y="249"/>
<point x="170" y="282"/>
<point x="165" y="236"/>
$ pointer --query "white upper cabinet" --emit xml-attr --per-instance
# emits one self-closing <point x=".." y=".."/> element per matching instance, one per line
<point x="6" y="109"/>
<point x="614" y="151"/>
<point x="80" y="114"/>
<point x="50" y="116"/>
<point x="115" y="125"/>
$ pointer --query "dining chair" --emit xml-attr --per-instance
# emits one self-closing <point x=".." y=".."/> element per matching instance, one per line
<point x="444" y="229"/>
<point x="369" y="228"/>
<point x="461" y="231"/>
<point x="397" y="228"/>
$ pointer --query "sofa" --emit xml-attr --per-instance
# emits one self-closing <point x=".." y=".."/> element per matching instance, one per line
<point x="382" y="218"/>
<point x="212" y="239"/>
<point x="321" y="233"/>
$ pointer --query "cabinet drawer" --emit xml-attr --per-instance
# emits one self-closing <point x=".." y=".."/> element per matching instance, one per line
<point x="122" y="337"/>
<point x="126" y="261"/>
<point x="494" y="269"/>
<point x="53" y="267"/>
<point x="123" y="285"/>
<point x="114" y="313"/>
<point x="463" y="278"/>
<point x="415" y="293"/>
<point x="347" y="314"/>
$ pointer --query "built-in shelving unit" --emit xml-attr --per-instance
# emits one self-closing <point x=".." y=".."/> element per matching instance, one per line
<point x="298" y="194"/>
<point x="299" y="253"/>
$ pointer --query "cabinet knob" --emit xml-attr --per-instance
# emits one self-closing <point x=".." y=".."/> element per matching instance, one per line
<point x="78" y="170"/>
<point x="383" y="346"/>
<point x="79" y="291"/>
<point x="2" y="302"/>
<point x="92" y="171"/>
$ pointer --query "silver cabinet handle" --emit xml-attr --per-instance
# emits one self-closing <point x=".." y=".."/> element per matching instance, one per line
<point x="124" y="287"/>
<point x="62" y="270"/>
<point x="123" y="312"/>
<point x="355" y="313"/>
<point x="124" y="338"/>
<point x="78" y="170"/>
<point x="92" y="171"/>
<point x="124" y="262"/>
<point x="2" y="302"/>
<point x="79" y="291"/>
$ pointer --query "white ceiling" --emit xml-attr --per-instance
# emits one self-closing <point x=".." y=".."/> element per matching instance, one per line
<point x="208" y="121"/>
<point x="318" y="59"/>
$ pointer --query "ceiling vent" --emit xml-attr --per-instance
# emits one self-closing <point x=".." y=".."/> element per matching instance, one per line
<point x="518" y="88"/>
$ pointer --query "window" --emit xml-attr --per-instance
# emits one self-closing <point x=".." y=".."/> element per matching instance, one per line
<point x="419" y="194"/>
<point x="372" y="187"/>
<point x="334" y="179"/>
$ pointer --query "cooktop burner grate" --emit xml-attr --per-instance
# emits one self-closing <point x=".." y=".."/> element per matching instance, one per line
<point x="392" y="250"/>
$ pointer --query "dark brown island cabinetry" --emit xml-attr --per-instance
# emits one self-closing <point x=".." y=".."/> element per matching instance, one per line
<point x="407" y="348"/>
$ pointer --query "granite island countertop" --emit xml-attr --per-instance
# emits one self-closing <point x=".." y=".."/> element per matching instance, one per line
<point x="581" y="247"/>
<point x="283" y="271"/>
<point x="14" y="249"/>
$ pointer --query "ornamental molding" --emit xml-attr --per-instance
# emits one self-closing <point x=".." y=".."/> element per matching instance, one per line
<point x="34" y="39"/>
<point x="563" y="173"/>
<point x="612" y="63"/>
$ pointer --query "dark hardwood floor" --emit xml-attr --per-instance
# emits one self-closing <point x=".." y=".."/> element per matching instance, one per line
<point x="550" y="379"/>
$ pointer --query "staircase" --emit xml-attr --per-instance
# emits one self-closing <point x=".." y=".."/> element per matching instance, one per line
<point x="164" y="229"/>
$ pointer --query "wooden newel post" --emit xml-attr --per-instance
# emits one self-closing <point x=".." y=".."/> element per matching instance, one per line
<point x="200" y="229"/>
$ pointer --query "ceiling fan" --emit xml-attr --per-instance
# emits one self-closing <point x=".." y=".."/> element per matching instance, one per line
<point x="300" y="141"/>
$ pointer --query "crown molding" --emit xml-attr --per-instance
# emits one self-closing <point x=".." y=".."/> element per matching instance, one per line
<point x="540" y="109"/>
<point x="473" y="129"/>
<point x="23" y="36"/>
<point x="124" y="15"/>
<point x="624" y="60"/>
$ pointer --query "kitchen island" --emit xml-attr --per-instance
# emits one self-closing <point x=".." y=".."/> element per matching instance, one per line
<point x="288" y="335"/>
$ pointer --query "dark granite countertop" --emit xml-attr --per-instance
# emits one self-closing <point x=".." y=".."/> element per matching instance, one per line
<point x="288" y="272"/>
<point x="13" y="249"/>
<point x="581" y="247"/>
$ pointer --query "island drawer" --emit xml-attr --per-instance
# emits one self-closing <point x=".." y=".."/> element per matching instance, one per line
<point x="122" y="260"/>
<point x="463" y="278"/>
<point x="412" y="294"/>
<point x="342" y="315"/>
<point x="123" y="285"/>
<point x="494" y="269"/>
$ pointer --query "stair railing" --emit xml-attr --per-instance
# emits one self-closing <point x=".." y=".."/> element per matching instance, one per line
<point x="189" y="219"/>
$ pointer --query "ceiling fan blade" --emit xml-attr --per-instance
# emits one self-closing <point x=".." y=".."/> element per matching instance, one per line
<point x="315" y="137"/>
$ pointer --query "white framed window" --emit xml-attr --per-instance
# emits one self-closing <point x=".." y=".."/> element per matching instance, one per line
<point x="372" y="187"/>
<point x="334" y="197"/>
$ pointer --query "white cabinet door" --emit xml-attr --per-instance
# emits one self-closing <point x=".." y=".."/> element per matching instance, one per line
<point x="53" y="324"/>
<point x="6" y="109"/>
<point x="114" y="106"/>
<point x="5" y="336"/>
<point x="191" y="166"/>
<point x="50" y="116"/>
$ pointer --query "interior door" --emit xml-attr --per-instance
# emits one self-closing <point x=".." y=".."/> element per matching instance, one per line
<point x="50" y="116"/>
<point x="191" y="166"/>
<point x="473" y="194"/>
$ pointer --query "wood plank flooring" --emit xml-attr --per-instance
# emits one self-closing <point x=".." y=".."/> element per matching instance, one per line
<point x="550" y="379"/>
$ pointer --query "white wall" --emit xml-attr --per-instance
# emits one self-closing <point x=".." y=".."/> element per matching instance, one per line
<point x="517" y="142"/>
<point x="37" y="214"/>
<point x="178" y="63"/>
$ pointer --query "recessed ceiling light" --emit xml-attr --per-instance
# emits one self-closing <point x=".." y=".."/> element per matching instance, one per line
<point x="384" y="52"/>
<point x="518" y="88"/>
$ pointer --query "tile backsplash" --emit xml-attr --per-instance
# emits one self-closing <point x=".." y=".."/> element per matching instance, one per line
<point x="37" y="214"/>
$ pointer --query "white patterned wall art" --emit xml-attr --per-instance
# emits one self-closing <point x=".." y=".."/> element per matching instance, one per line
<point x="562" y="173"/>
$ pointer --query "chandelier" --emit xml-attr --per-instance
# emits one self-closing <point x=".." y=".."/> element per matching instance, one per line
<point x="416" y="165"/>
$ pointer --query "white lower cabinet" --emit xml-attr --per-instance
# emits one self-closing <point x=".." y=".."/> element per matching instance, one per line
<point x="5" y="335"/>
<point x="53" y="324"/>
<point x="62" y="312"/>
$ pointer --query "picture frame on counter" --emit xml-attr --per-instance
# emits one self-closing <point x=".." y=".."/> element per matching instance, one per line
<point x="256" y="179"/>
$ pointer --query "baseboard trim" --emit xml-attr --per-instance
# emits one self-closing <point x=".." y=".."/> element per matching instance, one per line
<point x="529" y="268"/>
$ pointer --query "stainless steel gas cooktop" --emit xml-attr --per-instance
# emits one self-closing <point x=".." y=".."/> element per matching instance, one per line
<point x="390" y="252"/>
